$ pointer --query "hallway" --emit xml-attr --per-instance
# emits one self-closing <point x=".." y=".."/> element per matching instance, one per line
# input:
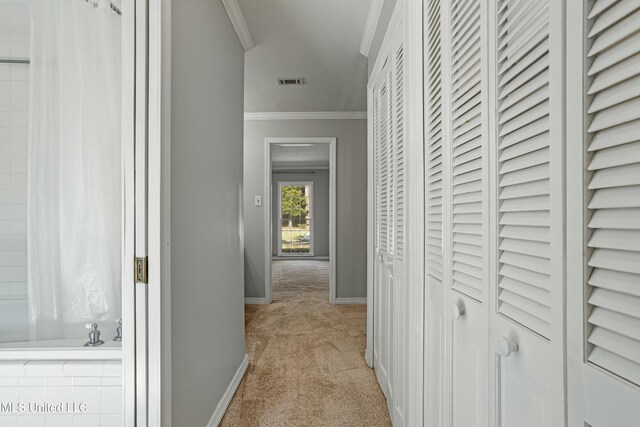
<point x="307" y="364"/>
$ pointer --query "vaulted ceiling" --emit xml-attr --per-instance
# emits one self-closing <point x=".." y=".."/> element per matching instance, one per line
<point x="318" y="40"/>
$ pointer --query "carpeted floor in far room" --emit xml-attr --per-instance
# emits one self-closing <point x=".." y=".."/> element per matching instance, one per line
<point x="306" y="358"/>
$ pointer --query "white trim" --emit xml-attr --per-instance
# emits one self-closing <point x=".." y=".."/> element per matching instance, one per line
<point x="312" y="227"/>
<point x="228" y="394"/>
<point x="368" y="352"/>
<point x="267" y="212"/>
<point x="250" y="300"/>
<point x="156" y="211"/>
<point x="415" y="213"/>
<point x="308" y="115"/>
<point x="141" y="202"/>
<point x="165" y="238"/>
<point x="344" y="301"/>
<point x="128" y="200"/>
<point x="239" y="24"/>
<point x="370" y="26"/>
<point x="299" y="168"/>
<point x="381" y="60"/>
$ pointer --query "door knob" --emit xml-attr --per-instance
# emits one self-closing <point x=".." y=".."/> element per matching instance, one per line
<point x="457" y="310"/>
<point x="506" y="346"/>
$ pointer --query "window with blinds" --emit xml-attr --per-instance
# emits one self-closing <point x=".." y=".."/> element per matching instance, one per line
<point x="524" y="268"/>
<point x="384" y="170"/>
<point x="613" y="165"/>
<point x="433" y="139"/>
<point x="466" y="148"/>
<point x="399" y="150"/>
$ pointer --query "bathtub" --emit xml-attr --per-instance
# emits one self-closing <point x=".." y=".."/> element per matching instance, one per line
<point x="62" y="372"/>
<point x="66" y="349"/>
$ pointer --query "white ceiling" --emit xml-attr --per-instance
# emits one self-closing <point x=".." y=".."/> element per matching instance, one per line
<point x="315" y="155"/>
<point x="318" y="40"/>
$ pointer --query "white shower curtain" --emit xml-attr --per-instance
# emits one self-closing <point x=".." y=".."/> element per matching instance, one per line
<point x="74" y="203"/>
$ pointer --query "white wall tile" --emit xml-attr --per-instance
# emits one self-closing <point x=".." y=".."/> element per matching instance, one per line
<point x="59" y="381"/>
<point x="30" y="420"/>
<point x="90" y="396"/>
<point x="112" y="381"/>
<point x="12" y="368"/>
<point x="31" y="394"/>
<point x="31" y="382"/>
<point x="83" y="368"/>
<point x="112" y="368"/>
<point x="86" y="421"/>
<point x="86" y="381"/>
<point x="58" y="420"/>
<point x="55" y="394"/>
<point x="45" y="368"/>
<point x="8" y="420"/>
<point x="111" y="400"/>
<point x="8" y="394"/>
<point x="14" y="92"/>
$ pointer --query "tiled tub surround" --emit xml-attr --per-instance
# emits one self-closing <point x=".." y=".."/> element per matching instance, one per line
<point x="14" y="96"/>
<point x="95" y="383"/>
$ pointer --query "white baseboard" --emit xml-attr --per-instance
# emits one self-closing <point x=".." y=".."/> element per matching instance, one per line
<point x="228" y="395"/>
<point x="255" y="301"/>
<point x="351" y="300"/>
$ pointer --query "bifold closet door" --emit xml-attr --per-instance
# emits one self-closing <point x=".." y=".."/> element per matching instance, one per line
<point x="383" y="277"/>
<point x="527" y="327"/>
<point x="434" y="369"/>
<point x="605" y="303"/>
<point x="398" y="236"/>
<point x="465" y="213"/>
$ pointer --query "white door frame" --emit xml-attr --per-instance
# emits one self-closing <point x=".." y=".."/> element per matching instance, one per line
<point x="128" y="213"/>
<point x="268" y="245"/>
<point x="311" y="226"/>
<point x="152" y="124"/>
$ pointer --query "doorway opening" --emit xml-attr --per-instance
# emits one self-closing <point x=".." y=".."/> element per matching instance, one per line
<point x="295" y="229"/>
<point x="300" y="193"/>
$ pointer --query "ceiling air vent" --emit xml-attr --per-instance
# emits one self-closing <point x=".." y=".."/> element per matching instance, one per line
<point x="290" y="81"/>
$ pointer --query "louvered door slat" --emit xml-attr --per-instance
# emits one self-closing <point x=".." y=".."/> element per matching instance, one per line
<point x="467" y="149"/>
<point x="376" y="172"/>
<point x="391" y="164"/>
<point x="433" y="141"/>
<point x="524" y="271"/>
<point x="383" y="178"/>
<point x="399" y="151"/>
<point x="614" y="188"/>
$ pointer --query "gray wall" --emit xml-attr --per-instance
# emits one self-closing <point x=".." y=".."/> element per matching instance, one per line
<point x="351" y="203"/>
<point x="319" y="205"/>
<point x="383" y="23"/>
<point x="206" y="182"/>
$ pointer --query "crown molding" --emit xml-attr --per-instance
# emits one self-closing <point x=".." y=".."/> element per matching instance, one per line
<point x="239" y="24"/>
<point x="370" y="26"/>
<point x="308" y="115"/>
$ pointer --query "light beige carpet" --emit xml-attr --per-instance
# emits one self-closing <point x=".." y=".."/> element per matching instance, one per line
<point x="306" y="358"/>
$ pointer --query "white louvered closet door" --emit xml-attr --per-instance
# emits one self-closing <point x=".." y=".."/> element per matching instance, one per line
<point x="398" y="271"/>
<point x="610" y="150"/>
<point x="466" y="210"/>
<point x="383" y="296"/>
<point x="399" y="291"/>
<point x="435" y="393"/>
<point x="527" y="182"/>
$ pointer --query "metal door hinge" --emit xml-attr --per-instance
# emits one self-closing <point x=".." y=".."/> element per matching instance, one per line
<point x="141" y="270"/>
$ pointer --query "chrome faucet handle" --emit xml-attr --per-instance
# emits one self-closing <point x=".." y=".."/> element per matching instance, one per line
<point x="94" y="335"/>
<point x="118" y="336"/>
